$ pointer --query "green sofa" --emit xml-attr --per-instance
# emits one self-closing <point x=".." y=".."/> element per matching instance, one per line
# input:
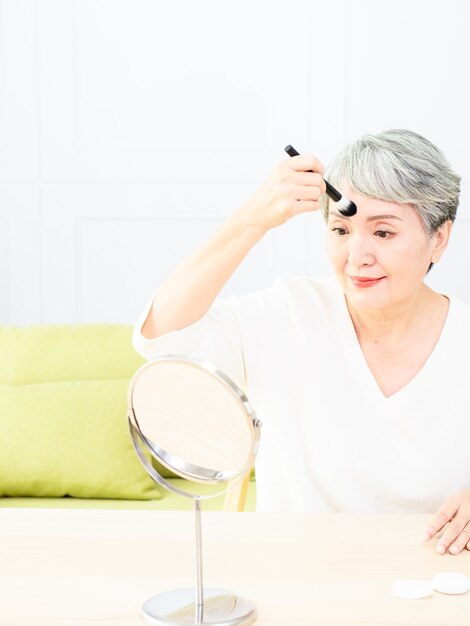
<point x="64" y="440"/>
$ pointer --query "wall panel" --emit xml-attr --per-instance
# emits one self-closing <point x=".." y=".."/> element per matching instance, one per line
<point x="107" y="247"/>
<point x="20" y="268"/>
<point x="139" y="94"/>
<point x="130" y="130"/>
<point x="19" y="76"/>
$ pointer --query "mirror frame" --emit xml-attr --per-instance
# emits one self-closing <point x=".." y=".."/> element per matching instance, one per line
<point x="179" y="466"/>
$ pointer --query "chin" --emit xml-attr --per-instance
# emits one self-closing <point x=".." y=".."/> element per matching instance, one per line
<point x="367" y="301"/>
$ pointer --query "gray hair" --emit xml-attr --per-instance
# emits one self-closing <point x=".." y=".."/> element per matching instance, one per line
<point x="399" y="166"/>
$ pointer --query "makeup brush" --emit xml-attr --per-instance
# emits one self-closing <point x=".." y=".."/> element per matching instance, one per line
<point x="344" y="205"/>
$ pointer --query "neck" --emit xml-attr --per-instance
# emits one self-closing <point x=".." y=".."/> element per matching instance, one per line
<point x="397" y="322"/>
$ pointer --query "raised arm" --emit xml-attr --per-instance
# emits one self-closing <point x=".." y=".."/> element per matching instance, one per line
<point x="293" y="187"/>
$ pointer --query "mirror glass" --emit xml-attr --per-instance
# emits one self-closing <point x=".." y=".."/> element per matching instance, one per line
<point x="193" y="419"/>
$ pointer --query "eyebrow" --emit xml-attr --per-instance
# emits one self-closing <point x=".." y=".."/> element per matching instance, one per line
<point x="372" y="218"/>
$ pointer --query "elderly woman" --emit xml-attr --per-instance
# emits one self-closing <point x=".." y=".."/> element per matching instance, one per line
<point x="360" y="380"/>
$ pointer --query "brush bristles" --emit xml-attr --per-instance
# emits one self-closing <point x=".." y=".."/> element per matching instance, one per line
<point x="346" y="206"/>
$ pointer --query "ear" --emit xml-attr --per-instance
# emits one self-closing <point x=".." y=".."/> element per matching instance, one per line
<point x="440" y="240"/>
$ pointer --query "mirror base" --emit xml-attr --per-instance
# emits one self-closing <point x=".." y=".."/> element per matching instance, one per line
<point x="178" y="608"/>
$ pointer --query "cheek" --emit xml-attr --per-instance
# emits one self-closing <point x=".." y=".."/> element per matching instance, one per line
<point x="328" y="248"/>
<point x="413" y="258"/>
<point x="334" y="251"/>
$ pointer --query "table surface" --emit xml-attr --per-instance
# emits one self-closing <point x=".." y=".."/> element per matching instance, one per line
<point x="76" y="567"/>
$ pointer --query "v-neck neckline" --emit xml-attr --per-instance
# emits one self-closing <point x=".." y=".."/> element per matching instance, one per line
<point x="362" y="371"/>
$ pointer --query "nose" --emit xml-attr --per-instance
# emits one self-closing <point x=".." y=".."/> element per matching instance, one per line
<point x="360" y="251"/>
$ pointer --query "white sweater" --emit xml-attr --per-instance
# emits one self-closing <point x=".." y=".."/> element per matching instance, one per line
<point x="331" y="441"/>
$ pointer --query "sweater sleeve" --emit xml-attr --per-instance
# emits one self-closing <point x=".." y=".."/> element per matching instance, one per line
<point x="215" y="338"/>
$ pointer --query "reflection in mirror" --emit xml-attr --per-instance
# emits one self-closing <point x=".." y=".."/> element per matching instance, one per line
<point x="198" y="423"/>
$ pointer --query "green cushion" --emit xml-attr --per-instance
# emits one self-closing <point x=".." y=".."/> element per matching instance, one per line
<point x="63" y="425"/>
<point x="169" y="501"/>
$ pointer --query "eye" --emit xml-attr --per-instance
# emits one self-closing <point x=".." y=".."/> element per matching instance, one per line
<point x="339" y="231"/>
<point x="383" y="234"/>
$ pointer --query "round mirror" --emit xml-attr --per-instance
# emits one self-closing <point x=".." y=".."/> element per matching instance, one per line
<point x="193" y="420"/>
<point x="197" y="423"/>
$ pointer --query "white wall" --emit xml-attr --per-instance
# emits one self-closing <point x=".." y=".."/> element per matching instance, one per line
<point x="129" y="129"/>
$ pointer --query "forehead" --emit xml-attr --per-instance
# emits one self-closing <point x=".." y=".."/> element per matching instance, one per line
<point x="374" y="208"/>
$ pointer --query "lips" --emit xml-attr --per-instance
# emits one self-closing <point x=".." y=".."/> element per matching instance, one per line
<point x="365" y="281"/>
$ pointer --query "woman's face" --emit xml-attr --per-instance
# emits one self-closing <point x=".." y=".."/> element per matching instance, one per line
<point x="381" y="255"/>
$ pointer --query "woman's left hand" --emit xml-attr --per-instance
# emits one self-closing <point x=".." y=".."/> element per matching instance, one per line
<point x="455" y="512"/>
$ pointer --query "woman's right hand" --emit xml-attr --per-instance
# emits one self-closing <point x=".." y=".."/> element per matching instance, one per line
<point x="293" y="187"/>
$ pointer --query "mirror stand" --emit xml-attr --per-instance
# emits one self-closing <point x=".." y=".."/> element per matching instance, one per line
<point x="207" y="435"/>
<point x="214" y="607"/>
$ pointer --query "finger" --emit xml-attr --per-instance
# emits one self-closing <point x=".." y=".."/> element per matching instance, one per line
<point x="461" y="542"/>
<point x="302" y="192"/>
<point x="306" y="163"/>
<point x="453" y="530"/>
<point x="442" y="517"/>
<point x="303" y="206"/>
<point x="468" y="546"/>
<point x="309" y="179"/>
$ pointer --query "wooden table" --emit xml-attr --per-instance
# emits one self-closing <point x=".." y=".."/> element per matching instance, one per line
<point x="76" y="567"/>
